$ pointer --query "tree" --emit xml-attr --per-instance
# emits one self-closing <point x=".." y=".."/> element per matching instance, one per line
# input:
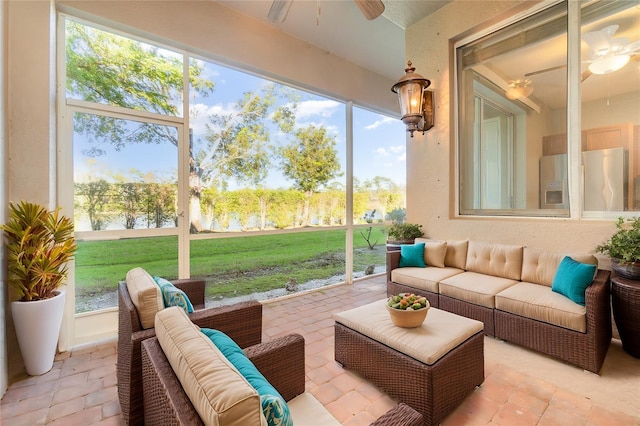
<point x="96" y="196"/>
<point x="105" y="68"/>
<point x="311" y="161"/>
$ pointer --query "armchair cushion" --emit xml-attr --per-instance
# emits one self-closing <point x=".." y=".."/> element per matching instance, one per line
<point x="201" y="367"/>
<point x="173" y="296"/>
<point x="145" y="295"/>
<point x="274" y="406"/>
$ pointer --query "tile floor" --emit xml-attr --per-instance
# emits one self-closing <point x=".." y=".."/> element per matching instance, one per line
<point x="81" y="388"/>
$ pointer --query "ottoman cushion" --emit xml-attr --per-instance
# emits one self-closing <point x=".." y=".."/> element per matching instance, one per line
<point x="444" y="330"/>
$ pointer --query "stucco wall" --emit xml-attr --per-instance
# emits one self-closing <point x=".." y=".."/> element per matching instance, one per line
<point x="430" y="158"/>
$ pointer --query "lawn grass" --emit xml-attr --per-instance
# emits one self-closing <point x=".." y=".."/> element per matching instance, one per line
<point x="230" y="266"/>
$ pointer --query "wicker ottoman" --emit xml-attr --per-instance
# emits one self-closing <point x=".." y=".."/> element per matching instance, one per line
<point x="431" y="368"/>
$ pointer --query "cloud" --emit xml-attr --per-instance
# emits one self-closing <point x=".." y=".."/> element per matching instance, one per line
<point x="397" y="148"/>
<point x="199" y="115"/>
<point x="382" y="151"/>
<point x="324" y="108"/>
<point x="402" y="157"/>
<point x="379" y="123"/>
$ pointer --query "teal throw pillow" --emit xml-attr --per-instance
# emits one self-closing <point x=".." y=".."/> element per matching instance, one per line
<point x="572" y="279"/>
<point x="412" y="255"/>
<point x="173" y="296"/>
<point x="274" y="407"/>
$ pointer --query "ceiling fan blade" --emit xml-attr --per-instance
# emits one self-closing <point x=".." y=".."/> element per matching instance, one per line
<point x="279" y="10"/>
<point x="529" y="74"/>
<point x="371" y="9"/>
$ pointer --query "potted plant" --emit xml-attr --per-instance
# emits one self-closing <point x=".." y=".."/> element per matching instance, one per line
<point x="624" y="248"/>
<point x="39" y="245"/>
<point x="403" y="233"/>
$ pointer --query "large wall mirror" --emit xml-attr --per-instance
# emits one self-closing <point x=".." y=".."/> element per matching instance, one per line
<point x="512" y="115"/>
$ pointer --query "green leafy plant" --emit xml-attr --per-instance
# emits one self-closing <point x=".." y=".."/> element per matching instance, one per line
<point x="39" y="245"/>
<point x="404" y="231"/>
<point x="624" y="245"/>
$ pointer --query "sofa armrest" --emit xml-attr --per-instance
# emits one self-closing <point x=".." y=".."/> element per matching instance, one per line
<point x="598" y="304"/>
<point x="281" y="361"/>
<point x="393" y="261"/>
<point x="400" y="415"/>
<point x="165" y="402"/>
<point x="242" y="321"/>
<point x="194" y="289"/>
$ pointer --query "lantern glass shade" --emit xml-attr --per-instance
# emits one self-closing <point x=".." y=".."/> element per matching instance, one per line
<point x="410" y="97"/>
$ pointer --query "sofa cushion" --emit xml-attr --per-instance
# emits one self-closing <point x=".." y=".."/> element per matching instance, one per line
<point x="274" y="406"/>
<point x="423" y="278"/>
<point x="145" y="295"/>
<point x="472" y="287"/>
<point x="434" y="251"/>
<point x="572" y="279"/>
<point x="539" y="266"/>
<point x="412" y="255"/>
<point x="202" y="369"/>
<point x="456" y="256"/>
<point x="499" y="260"/>
<point x="538" y="302"/>
<point x="173" y="296"/>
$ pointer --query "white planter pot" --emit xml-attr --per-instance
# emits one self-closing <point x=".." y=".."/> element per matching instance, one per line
<point x="38" y="327"/>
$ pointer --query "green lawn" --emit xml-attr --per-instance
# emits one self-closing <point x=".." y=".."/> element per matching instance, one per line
<point x="230" y="266"/>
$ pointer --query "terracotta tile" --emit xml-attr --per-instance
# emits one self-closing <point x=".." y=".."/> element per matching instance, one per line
<point x="555" y="416"/>
<point x="496" y="390"/>
<point x="346" y="382"/>
<point x="601" y="416"/>
<point x="478" y="406"/>
<point x="101" y="397"/>
<point x="21" y="393"/>
<point x="459" y="417"/>
<point x="572" y="403"/>
<point x="112" y="409"/>
<point x="326" y="393"/>
<point x="77" y="391"/>
<point x="319" y="375"/>
<point x="37" y="417"/>
<point x="538" y="388"/>
<point x="35" y="403"/>
<point x="66" y="408"/>
<point x="528" y="402"/>
<point x="512" y="414"/>
<point x="381" y="406"/>
<point x="81" y="418"/>
<point x="360" y="419"/>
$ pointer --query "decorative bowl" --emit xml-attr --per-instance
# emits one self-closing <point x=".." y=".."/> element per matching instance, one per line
<point x="408" y="319"/>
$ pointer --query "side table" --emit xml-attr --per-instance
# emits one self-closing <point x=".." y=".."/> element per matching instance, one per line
<point x="625" y="300"/>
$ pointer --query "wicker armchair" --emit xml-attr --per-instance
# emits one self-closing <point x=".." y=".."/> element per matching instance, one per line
<point x="281" y="361"/>
<point x="242" y="322"/>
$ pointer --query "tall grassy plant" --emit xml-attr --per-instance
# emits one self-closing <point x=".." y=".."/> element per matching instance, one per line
<point x="39" y="245"/>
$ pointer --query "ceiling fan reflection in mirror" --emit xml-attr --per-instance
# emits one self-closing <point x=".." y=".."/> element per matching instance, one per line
<point x="606" y="54"/>
<point x="371" y="9"/>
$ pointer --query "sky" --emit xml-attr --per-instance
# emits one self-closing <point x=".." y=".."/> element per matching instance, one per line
<point x="379" y="141"/>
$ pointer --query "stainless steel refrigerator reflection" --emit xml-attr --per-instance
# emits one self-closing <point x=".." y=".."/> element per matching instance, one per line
<point x="605" y="179"/>
<point x="553" y="182"/>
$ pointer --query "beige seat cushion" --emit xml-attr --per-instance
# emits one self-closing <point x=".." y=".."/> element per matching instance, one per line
<point x="434" y="251"/>
<point x="540" y="266"/>
<point x="538" y="302"/>
<point x="499" y="260"/>
<point x="438" y="335"/>
<point x="145" y="295"/>
<point x="423" y="278"/>
<point x="307" y="411"/>
<point x="218" y="392"/>
<point x="479" y="289"/>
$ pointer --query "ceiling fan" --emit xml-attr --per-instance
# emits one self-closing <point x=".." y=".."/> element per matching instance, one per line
<point x="371" y="9"/>
<point x="607" y="54"/>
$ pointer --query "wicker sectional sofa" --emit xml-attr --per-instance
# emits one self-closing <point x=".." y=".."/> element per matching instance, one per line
<point x="508" y="288"/>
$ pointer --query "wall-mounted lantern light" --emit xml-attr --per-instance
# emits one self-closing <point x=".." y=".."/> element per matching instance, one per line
<point x="416" y="103"/>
